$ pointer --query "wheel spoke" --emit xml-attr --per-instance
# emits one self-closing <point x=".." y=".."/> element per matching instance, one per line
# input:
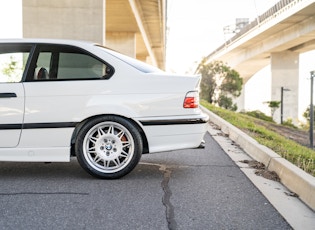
<point x="92" y="149"/>
<point x="97" y="159"/>
<point x="110" y="130"/>
<point x="106" y="164"/>
<point x="93" y="139"/>
<point x="120" y="134"/>
<point x="100" y="131"/>
<point x="124" y="153"/>
<point x="116" y="162"/>
<point x="126" y="144"/>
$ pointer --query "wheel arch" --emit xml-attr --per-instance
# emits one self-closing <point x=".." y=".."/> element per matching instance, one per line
<point x="82" y="123"/>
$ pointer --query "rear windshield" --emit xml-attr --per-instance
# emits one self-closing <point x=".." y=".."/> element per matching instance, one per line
<point x="141" y="66"/>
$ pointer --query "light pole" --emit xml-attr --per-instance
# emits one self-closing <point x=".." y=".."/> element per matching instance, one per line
<point x="312" y="111"/>
<point x="281" y="113"/>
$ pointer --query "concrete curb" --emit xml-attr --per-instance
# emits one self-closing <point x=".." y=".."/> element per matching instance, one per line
<point x="294" y="178"/>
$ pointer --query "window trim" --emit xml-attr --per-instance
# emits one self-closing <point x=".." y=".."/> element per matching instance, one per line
<point x="59" y="48"/>
<point x="28" y="62"/>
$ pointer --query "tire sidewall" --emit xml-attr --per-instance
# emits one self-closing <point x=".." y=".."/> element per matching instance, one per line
<point x="79" y="145"/>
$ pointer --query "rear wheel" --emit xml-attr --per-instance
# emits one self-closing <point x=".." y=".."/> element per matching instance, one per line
<point x="108" y="147"/>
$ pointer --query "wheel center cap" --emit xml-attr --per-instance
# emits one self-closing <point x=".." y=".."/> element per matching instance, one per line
<point x="108" y="147"/>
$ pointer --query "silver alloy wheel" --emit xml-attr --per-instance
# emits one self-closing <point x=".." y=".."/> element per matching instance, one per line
<point x="108" y="147"/>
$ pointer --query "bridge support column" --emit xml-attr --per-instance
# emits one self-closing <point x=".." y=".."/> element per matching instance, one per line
<point x="71" y="19"/>
<point x="123" y="42"/>
<point x="240" y="101"/>
<point x="285" y="73"/>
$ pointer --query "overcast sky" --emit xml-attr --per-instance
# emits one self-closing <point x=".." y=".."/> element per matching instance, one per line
<point x="11" y="19"/>
<point x="195" y="27"/>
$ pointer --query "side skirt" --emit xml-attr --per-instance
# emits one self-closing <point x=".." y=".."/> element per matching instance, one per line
<point x="56" y="154"/>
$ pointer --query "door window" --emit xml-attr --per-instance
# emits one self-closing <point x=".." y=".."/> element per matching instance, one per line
<point x="13" y="59"/>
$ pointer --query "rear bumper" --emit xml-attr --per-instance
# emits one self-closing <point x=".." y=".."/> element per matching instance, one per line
<point x="173" y="133"/>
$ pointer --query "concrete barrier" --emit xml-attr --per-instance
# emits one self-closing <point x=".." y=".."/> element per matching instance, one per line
<point x="294" y="178"/>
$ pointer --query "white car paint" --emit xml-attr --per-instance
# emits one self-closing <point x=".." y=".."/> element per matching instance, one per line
<point x="153" y="100"/>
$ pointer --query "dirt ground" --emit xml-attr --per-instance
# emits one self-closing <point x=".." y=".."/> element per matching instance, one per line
<point x="297" y="135"/>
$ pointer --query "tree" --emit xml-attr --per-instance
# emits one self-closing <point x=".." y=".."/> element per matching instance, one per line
<point x="226" y="102"/>
<point x="219" y="84"/>
<point x="232" y="83"/>
<point x="306" y="114"/>
<point x="11" y="70"/>
<point x="273" y="105"/>
<point x="208" y="82"/>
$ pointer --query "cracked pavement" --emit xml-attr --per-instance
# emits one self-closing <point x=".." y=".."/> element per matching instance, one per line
<point x="186" y="189"/>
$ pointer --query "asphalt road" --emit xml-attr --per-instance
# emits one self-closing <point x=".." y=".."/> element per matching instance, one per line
<point x="188" y="189"/>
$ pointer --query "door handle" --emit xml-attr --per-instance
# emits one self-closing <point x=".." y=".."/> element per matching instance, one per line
<point x="7" y="95"/>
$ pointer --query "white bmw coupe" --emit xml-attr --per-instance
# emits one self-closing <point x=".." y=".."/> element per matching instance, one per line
<point x="62" y="98"/>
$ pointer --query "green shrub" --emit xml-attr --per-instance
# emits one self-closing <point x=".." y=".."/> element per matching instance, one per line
<point x="289" y="123"/>
<point x="260" y="115"/>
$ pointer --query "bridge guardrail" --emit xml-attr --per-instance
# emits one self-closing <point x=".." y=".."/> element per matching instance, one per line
<point x="276" y="10"/>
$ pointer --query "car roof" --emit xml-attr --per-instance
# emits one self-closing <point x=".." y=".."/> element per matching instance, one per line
<point x="87" y="45"/>
<point x="48" y="41"/>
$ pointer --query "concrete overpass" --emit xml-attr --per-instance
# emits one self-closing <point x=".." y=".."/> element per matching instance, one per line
<point x="276" y="37"/>
<point x="133" y="27"/>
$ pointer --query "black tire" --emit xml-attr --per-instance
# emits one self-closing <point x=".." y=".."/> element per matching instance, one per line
<point x="108" y="147"/>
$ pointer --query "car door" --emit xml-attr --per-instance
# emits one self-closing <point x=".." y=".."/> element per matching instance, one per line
<point x="13" y="62"/>
<point x="59" y="85"/>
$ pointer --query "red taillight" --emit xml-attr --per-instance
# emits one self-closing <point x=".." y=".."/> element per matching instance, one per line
<point x="191" y="100"/>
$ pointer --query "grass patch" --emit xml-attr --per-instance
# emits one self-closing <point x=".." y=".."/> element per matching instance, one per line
<point x="260" y="115"/>
<point x="297" y="154"/>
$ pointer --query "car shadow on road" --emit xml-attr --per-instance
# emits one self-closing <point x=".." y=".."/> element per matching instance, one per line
<point x="42" y="170"/>
<point x="68" y="170"/>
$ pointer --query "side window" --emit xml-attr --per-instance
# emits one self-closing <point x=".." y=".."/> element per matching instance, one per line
<point x="13" y="59"/>
<point x="57" y="62"/>
<point x="80" y="66"/>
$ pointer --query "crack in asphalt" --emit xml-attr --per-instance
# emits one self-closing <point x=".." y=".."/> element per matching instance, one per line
<point x="166" y="199"/>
